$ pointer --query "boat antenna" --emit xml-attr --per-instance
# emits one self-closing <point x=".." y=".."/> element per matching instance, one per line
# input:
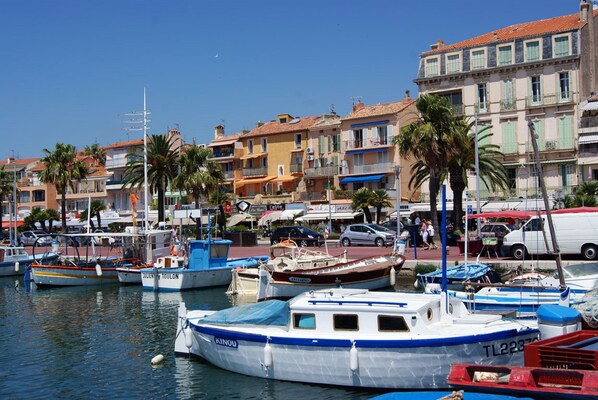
<point x="555" y="246"/>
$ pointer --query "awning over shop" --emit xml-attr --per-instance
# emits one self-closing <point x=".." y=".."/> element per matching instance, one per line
<point x="324" y="216"/>
<point x="6" y="224"/>
<point x="248" y="181"/>
<point x="290" y="214"/>
<point x="238" y="218"/>
<point x="252" y="155"/>
<point x="587" y="139"/>
<point x="269" y="216"/>
<point x="591" y="106"/>
<point x="222" y="142"/>
<point x="285" y="178"/>
<point x="362" y="178"/>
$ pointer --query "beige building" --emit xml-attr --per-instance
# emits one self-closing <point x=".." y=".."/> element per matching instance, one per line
<point x="539" y="71"/>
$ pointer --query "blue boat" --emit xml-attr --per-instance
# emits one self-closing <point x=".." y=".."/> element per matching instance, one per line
<point x="208" y="266"/>
<point x="459" y="275"/>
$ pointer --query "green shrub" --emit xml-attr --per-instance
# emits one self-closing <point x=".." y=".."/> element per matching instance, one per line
<point x="425" y="268"/>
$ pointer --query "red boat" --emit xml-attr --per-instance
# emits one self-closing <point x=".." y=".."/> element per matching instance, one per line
<point x="562" y="367"/>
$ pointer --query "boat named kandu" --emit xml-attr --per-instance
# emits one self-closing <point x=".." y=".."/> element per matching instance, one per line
<point x="353" y="337"/>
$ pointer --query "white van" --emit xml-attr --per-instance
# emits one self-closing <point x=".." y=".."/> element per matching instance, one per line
<point x="576" y="233"/>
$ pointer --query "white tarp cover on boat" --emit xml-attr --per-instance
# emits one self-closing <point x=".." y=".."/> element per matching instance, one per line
<point x="272" y="312"/>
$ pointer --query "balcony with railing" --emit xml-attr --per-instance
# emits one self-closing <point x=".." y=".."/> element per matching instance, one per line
<point x="229" y="174"/>
<point x="119" y="162"/>
<point x="588" y="122"/>
<point x="384" y="141"/>
<point x="372" y="169"/>
<point x="549" y="99"/>
<point x="321" y="172"/>
<point x="223" y="153"/>
<point x="508" y="105"/>
<point x="296" y="168"/>
<point x="249" y="172"/>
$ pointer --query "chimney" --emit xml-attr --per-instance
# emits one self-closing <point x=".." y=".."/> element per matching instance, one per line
<point x="439" y="43"/>
<point x="258" y="124"/>
<point x="358" y="106"/>
<point x="495" y="36"/>
<point x="584" y="10"/>
<point x="407" y="94"/>
<point x="218" y="131"/>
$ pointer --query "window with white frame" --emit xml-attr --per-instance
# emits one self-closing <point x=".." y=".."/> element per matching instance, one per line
<point x="561" y="46"/>
<point x="357" y="138"/>
<point x="432" y="67"/>
<point x="264" y="144"/>
<point x="508" y="95"/>
<point x="564" y="88"/>
<point x="297" y="140"/>
<point x="250" y="146"/>
<point x="482" y="97"/>
<point x="505" y="55"/>
<point x="357" y="160"/>
<point x="536" y="89"/>
<point x="382" y="135"/>
<point x="382" y="157"/>
<point x="453" y="63"/>
<point x="532" y="50"/>
<point x="478" y="59"/>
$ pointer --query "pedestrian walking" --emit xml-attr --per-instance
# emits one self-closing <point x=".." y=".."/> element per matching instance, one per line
<point x="431" y="232"/>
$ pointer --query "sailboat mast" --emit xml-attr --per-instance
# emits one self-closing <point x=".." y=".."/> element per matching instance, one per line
<point x="555" y="245"/>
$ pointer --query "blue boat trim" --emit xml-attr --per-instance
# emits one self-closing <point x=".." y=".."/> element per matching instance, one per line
<point x="369" y="303"/>
<point x="391" y="343"/>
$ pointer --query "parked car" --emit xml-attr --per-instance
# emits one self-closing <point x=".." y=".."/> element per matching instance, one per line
<point x="28" y="238"/>
<point x="301" y="235"/>
<point x="367" y="234"/>
<point x="392" y="225"/>
<point x="497" y="229"/>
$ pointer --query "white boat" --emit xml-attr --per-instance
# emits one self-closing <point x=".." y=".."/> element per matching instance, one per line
<point x="131" y="274"/>
<point x="368" y="273"/>
<point x="352" y="337"/>
<point x="14" y="260"/>
<point x="284" y="256"/>
<point x="208" y="266"/>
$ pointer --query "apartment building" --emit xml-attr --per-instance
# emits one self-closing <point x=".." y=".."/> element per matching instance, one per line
<point x="539" y="71"/>
<point x="273" y="154"/>
<point x="227" y="149"/>
<point x="370" y="158"/>
<point x="31" y="192"/>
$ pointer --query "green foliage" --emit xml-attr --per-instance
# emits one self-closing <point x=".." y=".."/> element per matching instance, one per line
<point x="425" y="268"/>
<point x="6" y="187"/>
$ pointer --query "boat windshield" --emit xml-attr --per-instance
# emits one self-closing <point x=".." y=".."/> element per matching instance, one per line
<point x="581" y="270"/>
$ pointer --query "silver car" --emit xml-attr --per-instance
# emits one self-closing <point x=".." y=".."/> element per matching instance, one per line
<point x="367" y="234"/>
<point x="28" y="238"/>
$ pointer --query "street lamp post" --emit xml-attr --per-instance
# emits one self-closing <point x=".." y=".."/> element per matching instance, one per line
<point x="398" y="183"/>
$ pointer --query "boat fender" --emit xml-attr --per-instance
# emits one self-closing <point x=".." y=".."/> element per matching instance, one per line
<point x="98" y="270"/>
<point x="353" y="358"/>
<point x="417" y="284"/>
<point x="157" y="359"/>
<point x="17" y="266"/>
<point x="188" y="337"/>
<point x="393" y="276"/>
<point x="267" y="355"/>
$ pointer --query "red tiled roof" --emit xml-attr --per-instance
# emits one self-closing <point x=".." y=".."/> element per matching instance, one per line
<point x="379" y="109"/>
<point x="136" y="142"/>
<point x="22" y="161"/>
<point x="273" y="127"/>
<point x="526" y="29"/>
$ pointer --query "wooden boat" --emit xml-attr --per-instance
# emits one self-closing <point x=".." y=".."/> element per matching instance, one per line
<point x="352" y="337"/>
<point x="131" y="274"/>
<point x="284" y="256"/>
<point x="562" y="367"/>
<point x="367" y="273"/>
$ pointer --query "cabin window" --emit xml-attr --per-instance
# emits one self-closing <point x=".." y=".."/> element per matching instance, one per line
<point x="304" y="321"/>
<point x="388" y="323"/>
<point x="218" y="250"/>
<point x="346" y="322"/>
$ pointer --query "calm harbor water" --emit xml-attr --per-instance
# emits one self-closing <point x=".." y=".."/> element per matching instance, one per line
<point x="97" y="342"/>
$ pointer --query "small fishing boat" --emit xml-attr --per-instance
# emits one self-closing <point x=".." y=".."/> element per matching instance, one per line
<point x="459" y="275"/>
<point x="561" y="367"/>
<point x="14" y="260"/>
<point x="284" y="256"/>
<point x="367" y="273"/>
<point x="208" y="266"/>
<point x="131" y="274"/>
<point x="352" y="337"/>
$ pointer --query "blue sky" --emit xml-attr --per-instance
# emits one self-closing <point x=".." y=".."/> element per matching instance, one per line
<point x="71" y="67"/>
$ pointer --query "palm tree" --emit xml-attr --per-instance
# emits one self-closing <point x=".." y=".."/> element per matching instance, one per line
<point x="492" y="172"/>
<point x="97" y="206"/>
<point x="36" y="215"/>
<point x="199" y="176"/>
<point x="51" y="215"/>
<point x="427" y="140"/>
<point x="379" y="198"/>
<point x="6" y="188"/>
<point x="64" y="170"/>
<point x="585" y="196"/>
<point x="161" y="168"/>
<point x="96" y="152"/>
<point x="361" y="201"/>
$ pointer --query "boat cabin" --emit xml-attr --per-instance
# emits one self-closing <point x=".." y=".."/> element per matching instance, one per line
<point x="206" y="254"/>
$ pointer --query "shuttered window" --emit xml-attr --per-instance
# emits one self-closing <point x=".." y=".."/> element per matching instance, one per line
<point x="509" y="137"/>
<point x="565" y="132"/>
